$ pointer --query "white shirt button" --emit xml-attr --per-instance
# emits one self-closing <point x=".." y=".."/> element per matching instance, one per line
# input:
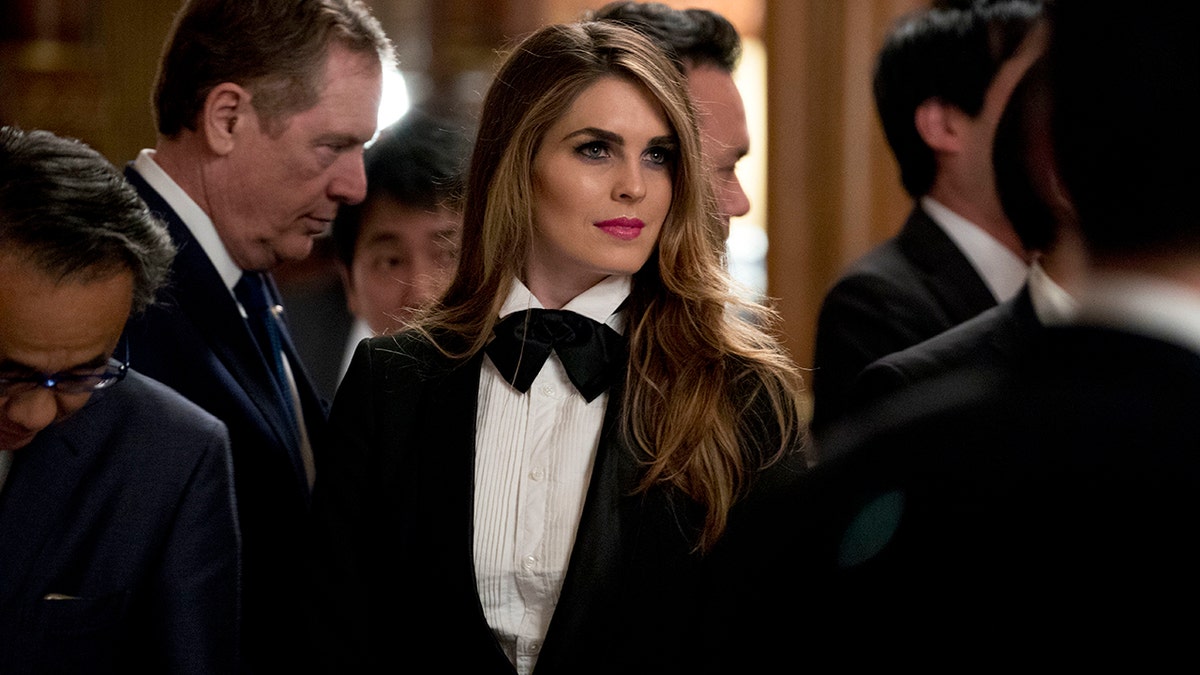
<point x="547" y="390"/>
<point x="529" y="562"/>
<point x="536" y="474"/>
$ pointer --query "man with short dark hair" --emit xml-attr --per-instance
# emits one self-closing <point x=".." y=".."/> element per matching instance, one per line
<point x="263" y="110"/>
<point x="1047" y="512"/>
<point x="941" y="82"/>
<point x="118" y="539"/>
<point x="1030" y="189"/>
<point x="707" y="48"/>
<point x="398" y="250"/>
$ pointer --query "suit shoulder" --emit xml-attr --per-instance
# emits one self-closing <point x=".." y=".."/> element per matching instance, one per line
<point x="412" y="350"/>
<point x="882" y="279"/>
<point x="884" y="262"/>
<point x="142" y="400"/>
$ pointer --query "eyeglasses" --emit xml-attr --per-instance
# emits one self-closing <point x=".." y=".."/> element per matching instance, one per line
<point x="68" y="382"/>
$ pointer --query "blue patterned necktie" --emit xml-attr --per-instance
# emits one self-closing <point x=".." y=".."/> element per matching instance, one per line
<point x="251" y="291"/>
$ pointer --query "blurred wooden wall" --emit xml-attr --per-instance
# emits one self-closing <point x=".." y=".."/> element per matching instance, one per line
<point x="85" y="68"/>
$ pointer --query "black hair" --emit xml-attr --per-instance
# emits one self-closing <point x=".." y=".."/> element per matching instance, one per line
<point x="420" y="161"/>
<point x="69" y="212"/>
<point x="1126" y="91"/>
<point x="691" y="37"/>
<point x="950" y="53"/>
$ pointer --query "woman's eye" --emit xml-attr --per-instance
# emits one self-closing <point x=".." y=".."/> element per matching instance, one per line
<point x="659" y="155"/>
<point x="593" y="150"/>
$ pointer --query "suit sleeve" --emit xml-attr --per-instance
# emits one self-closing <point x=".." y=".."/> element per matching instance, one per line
<point x="198" y="578"/>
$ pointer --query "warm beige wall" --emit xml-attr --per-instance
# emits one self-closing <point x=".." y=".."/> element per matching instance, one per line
<point x="834" y="188"/>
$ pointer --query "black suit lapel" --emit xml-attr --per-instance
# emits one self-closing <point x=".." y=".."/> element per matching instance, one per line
<point x="944" y="267"/>
<point x="442" y="453"/>
<point x="1020" y="326"/>
<point x="588" y="602"/>
<point x="38" y="498"/>
<point x="214" y="314"/>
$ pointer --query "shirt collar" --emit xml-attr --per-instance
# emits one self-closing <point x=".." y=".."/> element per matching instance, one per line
<point x="599" y="303"/>
<point x="1052" y="304"/>
<point x="1151" y="306"/>
<point x="1002" y="270"/>
<point x="193" y="217"/>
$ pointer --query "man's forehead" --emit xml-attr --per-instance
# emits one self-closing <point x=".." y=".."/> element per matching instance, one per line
<point x="713" y="85"/>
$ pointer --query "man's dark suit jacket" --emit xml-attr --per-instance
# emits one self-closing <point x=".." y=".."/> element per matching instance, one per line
<point x="907" y="290"/>
<point x="394" y="505"/>
<point x="1051" y="509"/>
<point x="124" y="511"/>
<point x="195" y="340"/>
<point x="995" y="340"/>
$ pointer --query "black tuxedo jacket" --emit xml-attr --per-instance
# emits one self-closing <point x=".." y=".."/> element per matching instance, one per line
<point x="394" y="503"/>
<point x="195" y="340"/>
<point x="1047" y="509"/>
<point x="118" y="541"/>
<point x="907" y="290"/>
<point x="997" y="339"/>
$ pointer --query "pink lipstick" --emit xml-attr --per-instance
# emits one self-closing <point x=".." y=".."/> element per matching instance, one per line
<point x="627" y="229"/>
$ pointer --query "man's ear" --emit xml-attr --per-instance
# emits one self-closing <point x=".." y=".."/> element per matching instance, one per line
<point x="226" y="113"/>
<point x="940" y="125"/>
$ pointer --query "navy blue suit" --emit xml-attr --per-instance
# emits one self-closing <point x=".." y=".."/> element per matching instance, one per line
<point x="195" y="340"/>
<point x="118" y="541"/>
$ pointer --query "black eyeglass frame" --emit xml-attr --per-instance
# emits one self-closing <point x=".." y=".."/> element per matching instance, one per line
<point x="67" y="382"/>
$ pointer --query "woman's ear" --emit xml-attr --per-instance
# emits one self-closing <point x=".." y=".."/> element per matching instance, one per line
<point x="940" y="125"/>
<point x="226" y="113"/>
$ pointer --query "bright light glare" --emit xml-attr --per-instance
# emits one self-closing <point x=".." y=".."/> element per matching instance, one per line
<point x="395" y="98"/>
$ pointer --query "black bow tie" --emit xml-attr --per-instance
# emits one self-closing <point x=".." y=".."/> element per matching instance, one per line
<point x="593" y="353"/>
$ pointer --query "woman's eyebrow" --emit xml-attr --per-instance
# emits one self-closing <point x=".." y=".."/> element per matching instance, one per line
<point x="601" y="134"/>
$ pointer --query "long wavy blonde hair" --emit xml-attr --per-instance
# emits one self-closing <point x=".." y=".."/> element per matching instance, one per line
<point x="701" y="378"/>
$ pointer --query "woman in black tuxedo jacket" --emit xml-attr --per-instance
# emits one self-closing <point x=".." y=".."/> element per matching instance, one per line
<point x="560" y="515"/>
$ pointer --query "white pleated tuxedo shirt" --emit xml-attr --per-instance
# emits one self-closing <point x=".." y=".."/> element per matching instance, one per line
<point x="533" y="461"/>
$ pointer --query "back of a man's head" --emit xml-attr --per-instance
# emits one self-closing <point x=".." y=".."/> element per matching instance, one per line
<point x="1126" y="88"/>
<point x="274" y="48"/>
<point x="66" y="209"/>
<point x="949" y="53"/>
<point x="1021" y="161"/>
<point x="693" y="37"/>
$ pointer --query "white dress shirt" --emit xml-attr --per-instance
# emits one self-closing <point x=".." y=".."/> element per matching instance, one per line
<point x="533" y="462"/>
<point x="197" y="221"/>
<point x="1002" y="270"/>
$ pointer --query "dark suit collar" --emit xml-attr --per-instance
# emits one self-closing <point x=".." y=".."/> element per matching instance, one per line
<point x="592" y="579"/>
<point x="213" y="312"/>
<point x="963" y="292"/>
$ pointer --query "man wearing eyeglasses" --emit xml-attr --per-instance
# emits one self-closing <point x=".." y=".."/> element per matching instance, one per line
<point x="118" y="541"/>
